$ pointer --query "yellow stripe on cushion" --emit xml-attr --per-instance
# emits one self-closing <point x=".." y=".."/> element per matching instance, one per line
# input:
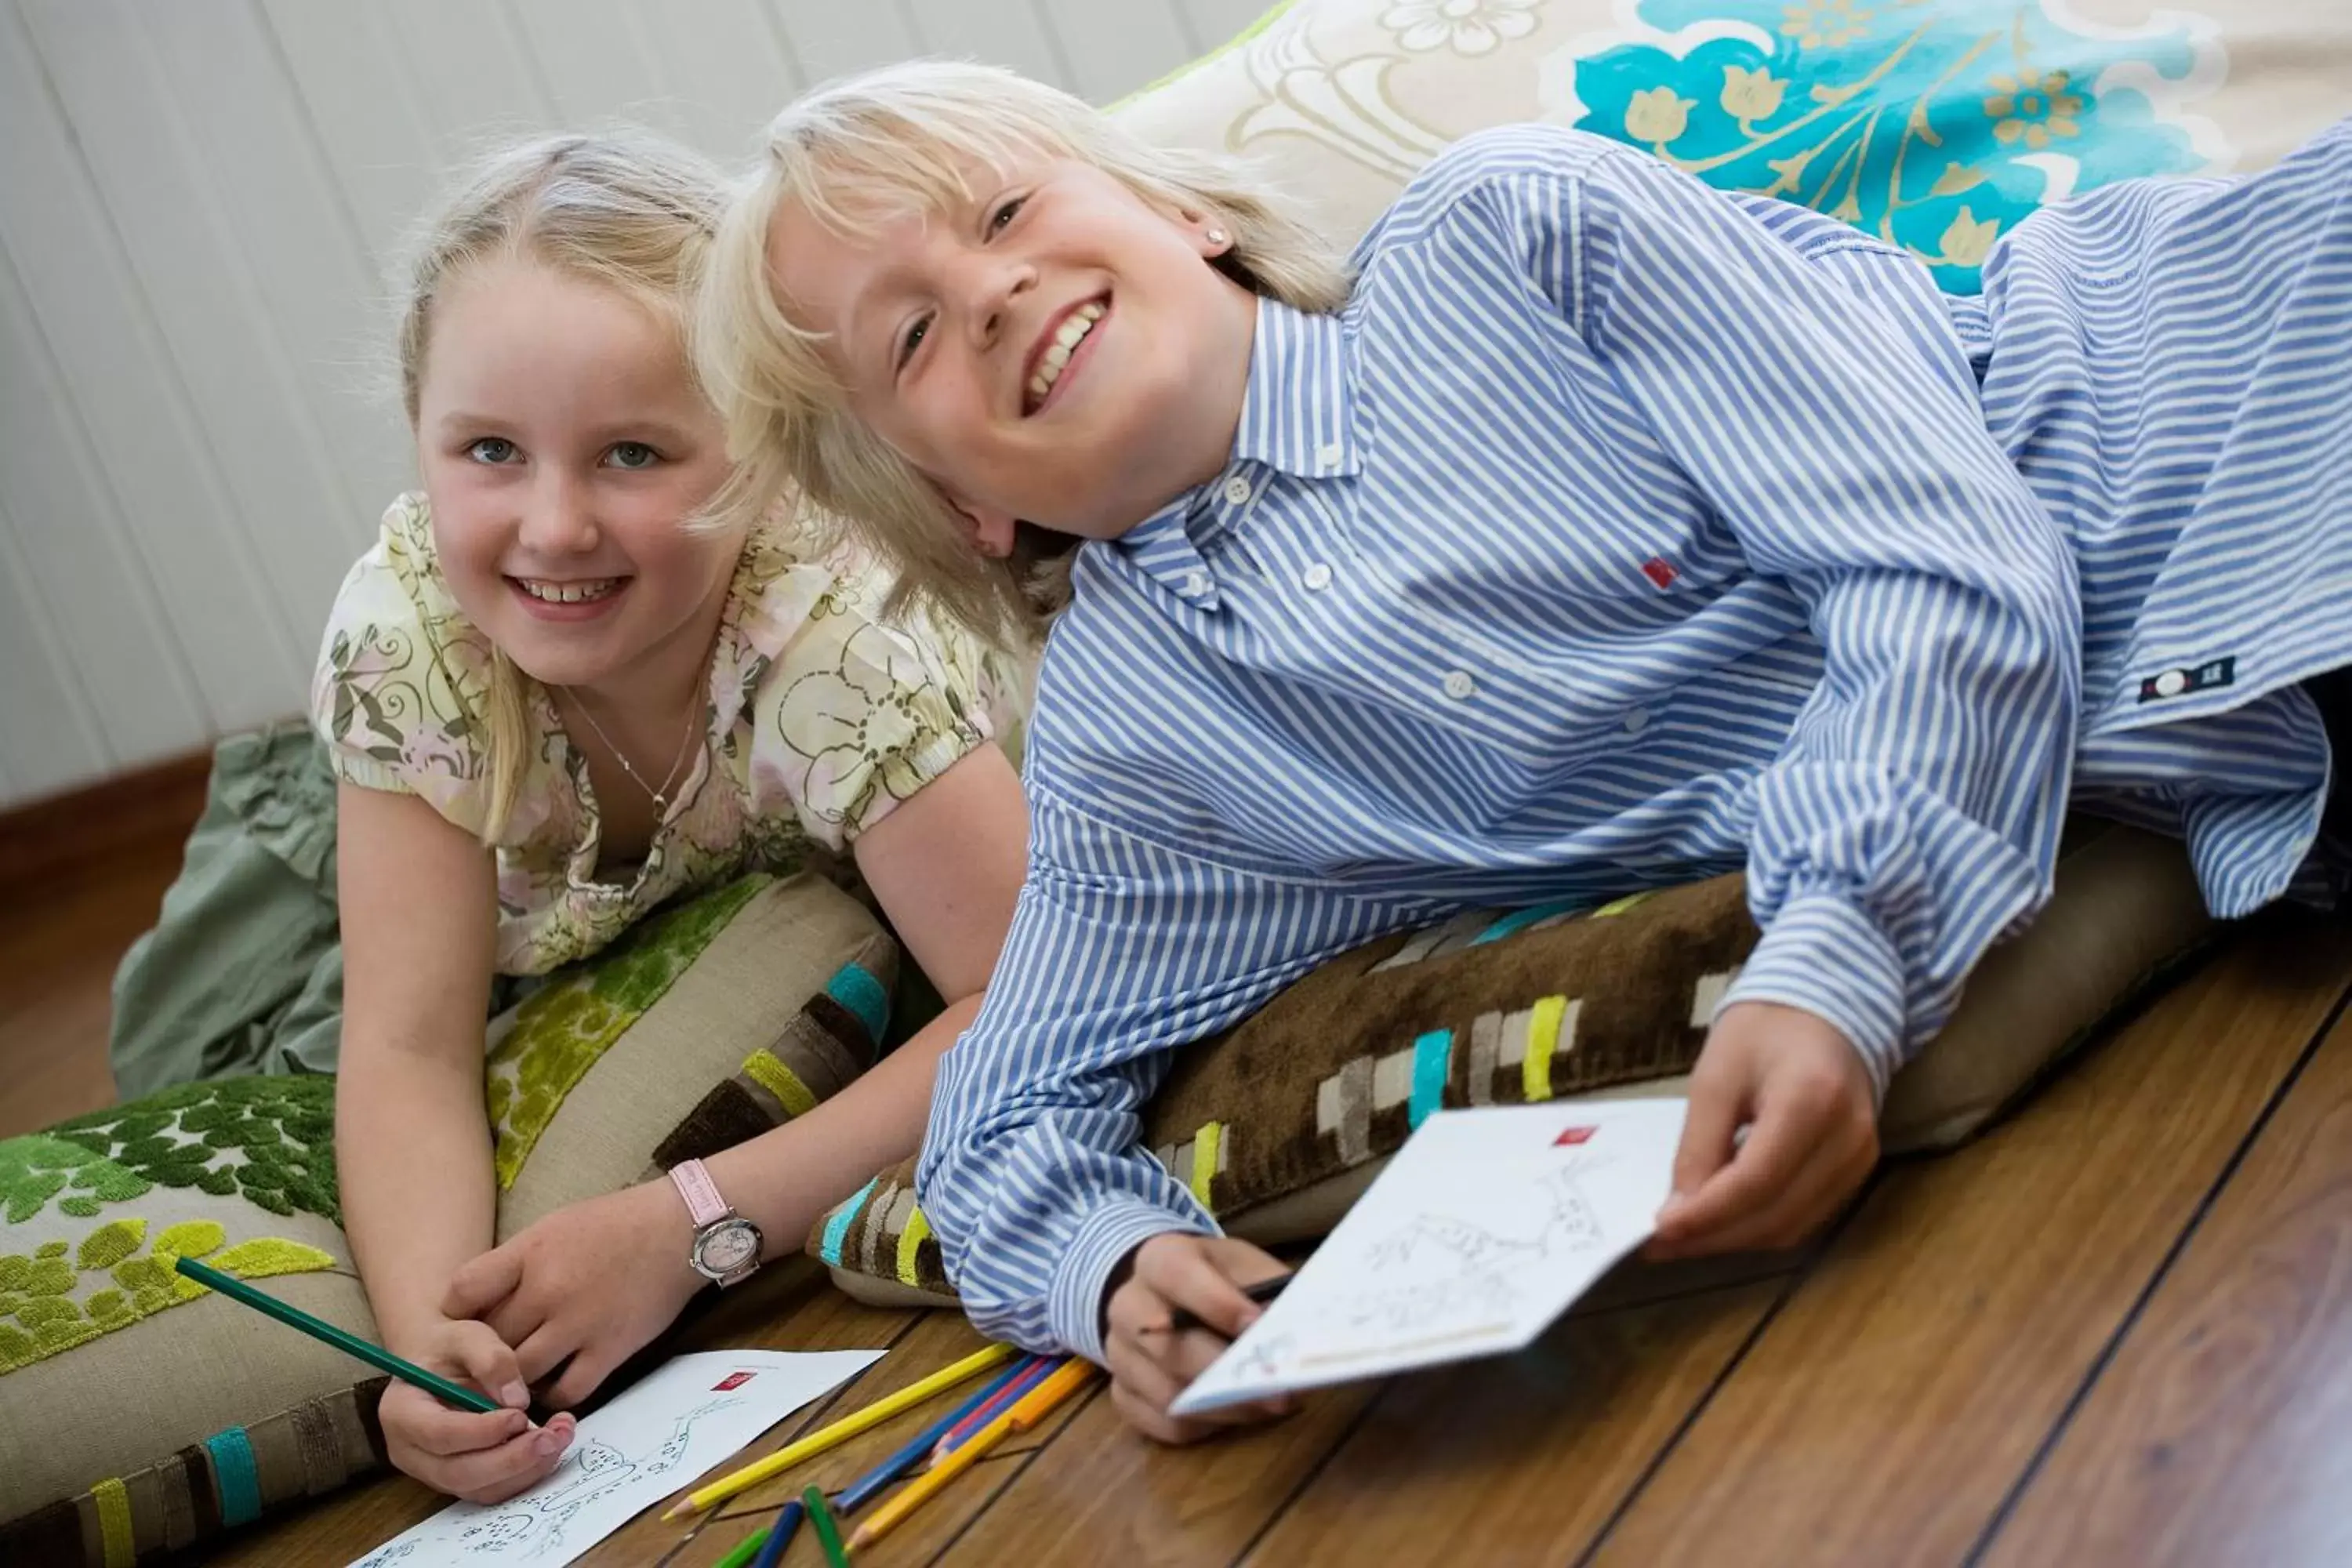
<point x="113" y="1500"/>
<point x="1619" y="906"/>
<point x="767" y="1070"/>
<point x="918" y="1227"/>
<point x="1543" y="1038"/>
<point x="1205" y="1144"/>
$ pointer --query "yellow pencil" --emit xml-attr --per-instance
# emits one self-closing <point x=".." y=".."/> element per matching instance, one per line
<point x="1034" y="1407"/>
<point x="841" y="1431"/>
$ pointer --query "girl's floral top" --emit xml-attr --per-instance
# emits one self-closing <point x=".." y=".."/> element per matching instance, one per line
<point x="821" y="718"/>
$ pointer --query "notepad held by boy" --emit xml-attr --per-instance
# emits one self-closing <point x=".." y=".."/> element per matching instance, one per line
<point x="1482" y="1230"/>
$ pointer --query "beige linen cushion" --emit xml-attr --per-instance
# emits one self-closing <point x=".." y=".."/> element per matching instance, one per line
<point x="139" y="1414"/>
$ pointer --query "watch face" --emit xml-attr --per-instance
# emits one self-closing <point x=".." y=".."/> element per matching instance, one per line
<point x="726" y="1247"/>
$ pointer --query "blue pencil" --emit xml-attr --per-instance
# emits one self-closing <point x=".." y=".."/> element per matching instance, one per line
<point x="781" y="1533"/>
<point x="871" y="1485"/>
<point x="962" y="1432"/>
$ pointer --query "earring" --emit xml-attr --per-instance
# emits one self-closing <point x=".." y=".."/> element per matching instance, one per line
<point x="1216" y="236"/>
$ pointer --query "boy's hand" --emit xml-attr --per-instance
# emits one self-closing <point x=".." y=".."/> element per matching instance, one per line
<point x="591" y="1284"/>
<point x="1150" y="1366"/>
<point x="1800" y="1089"/>
<point x="482" y="1459"/>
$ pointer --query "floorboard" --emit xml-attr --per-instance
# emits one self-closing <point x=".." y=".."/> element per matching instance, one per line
<point x="2222" y="1431"/>
<point x="58" y="955"/>
<point x="1518" y="1459"/>
<point x="1891" y="1405"/>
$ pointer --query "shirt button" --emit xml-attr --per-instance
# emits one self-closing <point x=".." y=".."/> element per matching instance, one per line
<point x="1237" y="489"/>
<point x="1636" y="721"/>
<point x="1317" y="577"/>
<point x="1196" y="583"/>
<point x="1328" y="454"/>
<point x="1458" y="684"/>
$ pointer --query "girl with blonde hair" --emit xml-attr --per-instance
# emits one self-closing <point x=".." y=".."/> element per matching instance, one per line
<point x="552" y="697"/>
<point x="1592" y="529"/>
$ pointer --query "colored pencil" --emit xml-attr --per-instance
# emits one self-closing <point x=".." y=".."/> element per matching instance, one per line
<point x="1264" y="1291"/>
<point x="865" y="1487"/>
<point x="841" y="1431"/>
<point x="828" y="1534"/>
<point x="349" y="1344"/>
<point x="780" y="1534"/>
<point x="1040" y="1402"/>
<point x="1039" y="1369"/>
<point x="740" y="1555"/>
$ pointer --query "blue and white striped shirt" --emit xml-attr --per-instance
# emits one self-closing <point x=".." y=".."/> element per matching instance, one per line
<point x="1618" y="532"/>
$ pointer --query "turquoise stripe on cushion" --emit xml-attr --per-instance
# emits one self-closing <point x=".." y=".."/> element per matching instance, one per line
<point x="235" y="1474"/>
<point x="836" y="1225"/>
<point x="858" y="991"/>
<point x="1519" y="919"/>
<point x="1432" y="1056"/>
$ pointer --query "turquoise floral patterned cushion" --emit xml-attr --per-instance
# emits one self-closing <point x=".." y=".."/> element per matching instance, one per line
<point x="1934" y="124"/>
<point x="1937" y="125"/>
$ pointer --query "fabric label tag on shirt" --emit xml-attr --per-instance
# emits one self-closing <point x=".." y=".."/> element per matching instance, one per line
<point x="2206" y="677"/>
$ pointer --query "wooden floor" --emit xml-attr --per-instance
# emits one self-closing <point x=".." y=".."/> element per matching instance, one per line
<point x="2118" y="1330"/>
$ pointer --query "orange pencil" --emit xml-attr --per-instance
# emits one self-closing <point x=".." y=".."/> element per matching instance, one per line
<point x="1034" y="1407"/>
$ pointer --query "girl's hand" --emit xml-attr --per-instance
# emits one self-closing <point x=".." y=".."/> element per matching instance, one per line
<point x="482" y="1459"/>
<point x="590" y="1284"/>
<point x="1802" y="1093"/>
<point x="1150" y="1366"/>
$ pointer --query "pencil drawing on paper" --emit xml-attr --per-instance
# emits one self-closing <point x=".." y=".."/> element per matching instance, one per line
<point x="1441" y="1269"/>
<point x="533" y="1526"/>
<point x="1486" y="1225"/>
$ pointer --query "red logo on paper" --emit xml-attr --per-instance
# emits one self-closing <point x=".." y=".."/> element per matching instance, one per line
<point x="732" y="1380"/>
<point x="1660" y="570"/>
<point x="1573" y="1136"/>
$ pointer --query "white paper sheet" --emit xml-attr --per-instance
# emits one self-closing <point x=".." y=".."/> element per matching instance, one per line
<point x="649" y="1442"/>
<point x="1485" y="1226"/>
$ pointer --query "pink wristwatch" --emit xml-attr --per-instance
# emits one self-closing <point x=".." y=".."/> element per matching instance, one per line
<point x="725" y="1244"/>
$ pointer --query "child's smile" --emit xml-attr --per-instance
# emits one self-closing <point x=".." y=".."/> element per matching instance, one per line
<point x="576" y="599"/>
<point x="1051" y="348"/>
<point x="1054" y="362"/>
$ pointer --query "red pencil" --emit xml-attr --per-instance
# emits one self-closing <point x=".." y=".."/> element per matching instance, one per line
<point x="1038" y="1371"/>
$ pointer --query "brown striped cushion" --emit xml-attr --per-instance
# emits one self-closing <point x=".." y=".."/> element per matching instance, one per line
<point x="1279" y="1122"/>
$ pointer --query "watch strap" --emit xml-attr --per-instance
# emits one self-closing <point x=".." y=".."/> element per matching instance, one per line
<point x="703" y="1203"/>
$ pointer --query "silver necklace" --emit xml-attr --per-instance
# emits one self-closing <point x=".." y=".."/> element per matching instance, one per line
<point x="661" y="796"/>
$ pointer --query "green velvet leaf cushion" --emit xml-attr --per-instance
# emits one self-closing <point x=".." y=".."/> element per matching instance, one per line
<point x="140" y="1414"/>
<point x="137" y="1416"/>
<point x="1278" y="1124"/>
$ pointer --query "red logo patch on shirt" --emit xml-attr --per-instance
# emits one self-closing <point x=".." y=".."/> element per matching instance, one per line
<point x="1660" y="570"/>
<point x="1573" y="1136"/>
<point x="732" y="1380"/>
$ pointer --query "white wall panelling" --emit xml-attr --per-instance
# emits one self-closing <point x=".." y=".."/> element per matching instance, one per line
<point x="198" y="199"/>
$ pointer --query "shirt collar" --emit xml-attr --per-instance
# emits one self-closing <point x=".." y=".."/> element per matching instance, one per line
<point x="1297" y="418"/>
<point x="1298" y="410"/>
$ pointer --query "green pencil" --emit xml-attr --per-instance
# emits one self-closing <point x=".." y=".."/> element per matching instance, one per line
<point x="375" y="1355"/>
<point x="828" y="1534"/>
